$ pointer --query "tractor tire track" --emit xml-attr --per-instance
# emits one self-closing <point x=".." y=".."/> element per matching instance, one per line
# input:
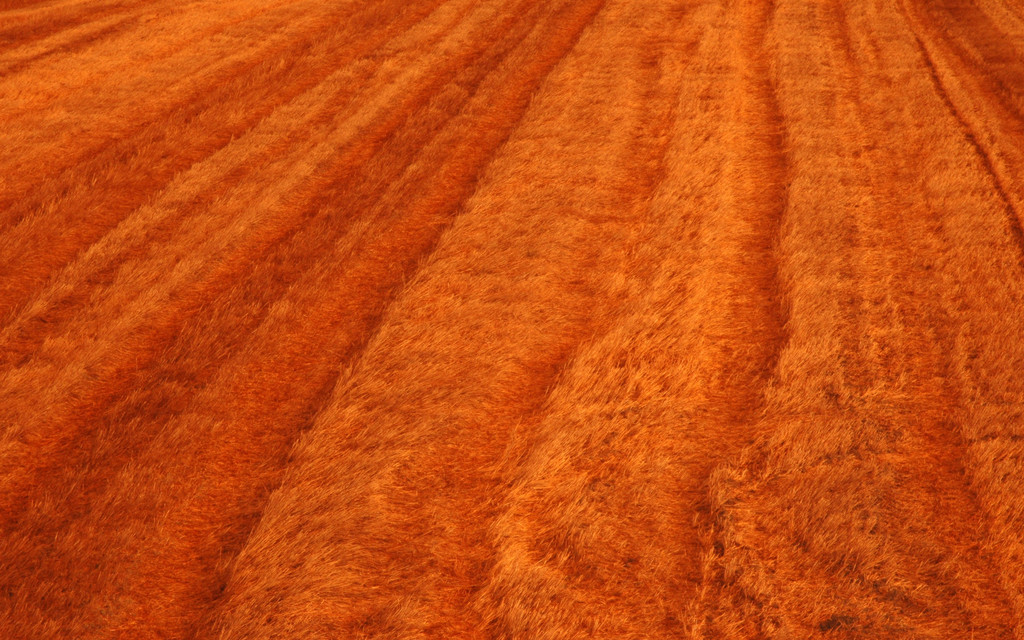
<point x="484" y="319"/>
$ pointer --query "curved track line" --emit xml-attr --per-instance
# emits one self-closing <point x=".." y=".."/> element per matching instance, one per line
<point x="1013" y="217"/>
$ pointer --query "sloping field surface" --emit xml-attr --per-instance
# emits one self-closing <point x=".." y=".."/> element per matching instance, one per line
<point x="511" y="319"/>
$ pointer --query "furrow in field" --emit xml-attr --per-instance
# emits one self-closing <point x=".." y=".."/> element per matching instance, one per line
<point x="599" y="534"/>
<point x="86" y="201"/>
<point x="33" y="27"/>
<point x="423" y="220"/>
<point x="978" y="71"/>
<point x="217" y="350"/>
<point x="296" y="126"/>
<point x="152" y="294"/>
<point x="70" y="108"/>
<point x="1009" y="19"/>
<point x="507" y="319"/>
<point x="328" y="115"/>
<point x="926" y="398"/>
<point x="70" y="41"/>
<point x="983" y="300"/>
<point x="1013" y="218"/>
<point x="841" y="520"/>
<point x="13" y="5"/>
<point x="422" y="477"/>
<point x="33" y="32"/>
<point x="508" y="607"/>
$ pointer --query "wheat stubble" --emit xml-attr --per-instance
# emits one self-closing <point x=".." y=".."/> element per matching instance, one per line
<point x="481" y="319"/>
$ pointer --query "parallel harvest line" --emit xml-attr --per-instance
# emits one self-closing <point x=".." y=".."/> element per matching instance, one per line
<point x="138" y="327"/>
<point x="241" y="473"/>
<point x="548" y="44"/>
<point x="1013" y="216"/>
<point x="281" y="269"/>
<point x="344" y="284"/>
<point x="57" y="117"/>
<point x="85" y="202"/>
<point x="152" y="230"/>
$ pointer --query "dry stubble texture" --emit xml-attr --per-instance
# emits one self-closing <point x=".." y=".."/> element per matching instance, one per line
<point x="511" y="319"/>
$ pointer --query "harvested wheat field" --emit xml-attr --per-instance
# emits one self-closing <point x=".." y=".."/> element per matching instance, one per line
<point x="511" y="319"/>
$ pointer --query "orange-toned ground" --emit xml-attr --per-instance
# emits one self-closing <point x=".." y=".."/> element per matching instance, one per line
<point x="511" y="319"/>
